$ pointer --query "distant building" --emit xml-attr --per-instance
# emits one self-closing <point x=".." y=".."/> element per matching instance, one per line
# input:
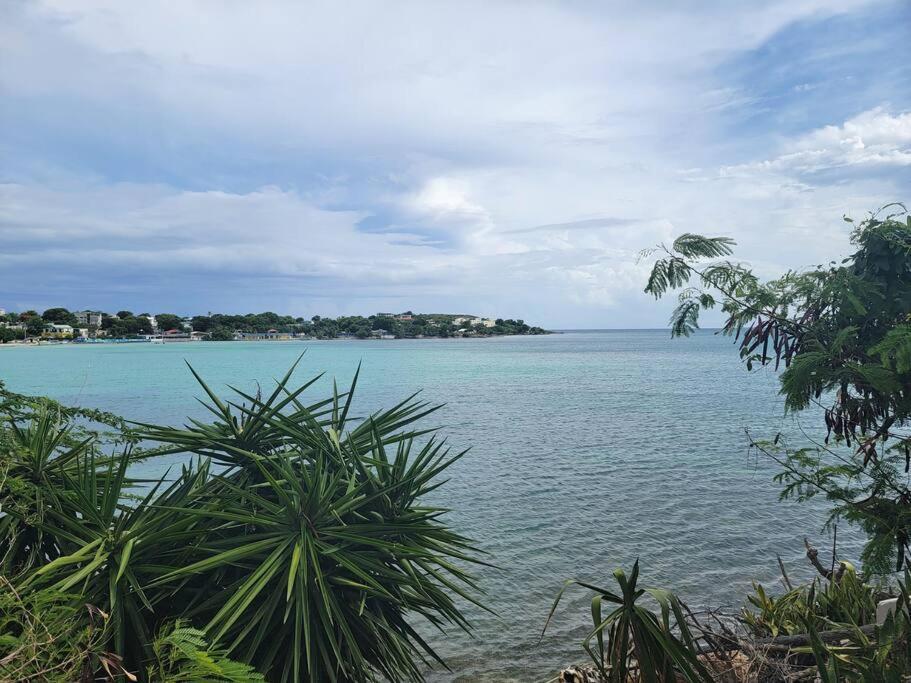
<point x="474" y="322"/>
<point x="90" y="318"/>
<point x="54" y="331"/>
<point x="404" y="317"/>
<point x="382" y="334"/>
<point x="176" y="336"/>
<point x="269" y="335"/>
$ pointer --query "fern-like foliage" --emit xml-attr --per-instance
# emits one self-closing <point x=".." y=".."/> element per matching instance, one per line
<point x="183" y="655"/>
<point x="692" y="246"/>
<point x="894" y="351"/>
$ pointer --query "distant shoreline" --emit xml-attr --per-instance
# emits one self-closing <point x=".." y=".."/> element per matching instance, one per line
<point x="134" y="342"/>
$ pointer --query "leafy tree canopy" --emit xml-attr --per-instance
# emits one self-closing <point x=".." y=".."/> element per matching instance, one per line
<point x="841" y="333"/>
<point x="60" y="316"/>
<point x="168" y="321"/>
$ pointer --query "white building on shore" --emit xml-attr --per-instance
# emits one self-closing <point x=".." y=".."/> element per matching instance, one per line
<point x="475" y="322"/>
<point x="90" y="318"/>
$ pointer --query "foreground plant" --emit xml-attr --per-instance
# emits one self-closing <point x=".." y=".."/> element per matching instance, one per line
<point x="847" y="600"/>
<point x="883" y="656"/>
<point x="631" y="642"/>
<point x="182" y="654"/>
<point x="47" y="636"/>
<point x="305" y="551"/>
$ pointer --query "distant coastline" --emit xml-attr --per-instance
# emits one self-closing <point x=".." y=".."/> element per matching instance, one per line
<point x="61" y="326"/>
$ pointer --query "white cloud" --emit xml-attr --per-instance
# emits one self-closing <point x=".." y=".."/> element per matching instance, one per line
<point x="873" y="138"/>
<point x="265" y="232"/>
<point x="444" y="199"/>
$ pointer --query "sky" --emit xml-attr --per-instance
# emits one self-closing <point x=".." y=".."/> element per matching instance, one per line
<point x="496" y="158"/>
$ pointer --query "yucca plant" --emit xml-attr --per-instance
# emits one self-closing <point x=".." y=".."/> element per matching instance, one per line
<point x="41" y="453"/>
<point x="114" y="545"/>
<point x="631" y="642"/>
<point x="33" y="456"/>
<point x="318" y="553"/>
<point x="305" y="551"/>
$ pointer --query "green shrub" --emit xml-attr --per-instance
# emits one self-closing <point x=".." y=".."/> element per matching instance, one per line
<point x="819" y="604"/>
<point x="883" y="656"/>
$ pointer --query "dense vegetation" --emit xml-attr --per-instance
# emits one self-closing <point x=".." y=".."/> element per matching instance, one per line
<point x="427" y="325"/>
<point x="294" y="545"/>
<point x="407" y="325"/>
<point x="293" y="541"/>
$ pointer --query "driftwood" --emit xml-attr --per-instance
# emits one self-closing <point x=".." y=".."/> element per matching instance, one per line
<point x="799" y="639"/>
<point x="730" y="643"/>
<point x="813" y="557"/>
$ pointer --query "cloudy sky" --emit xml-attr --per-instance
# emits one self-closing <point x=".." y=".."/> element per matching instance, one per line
<point x="505" y="158"/>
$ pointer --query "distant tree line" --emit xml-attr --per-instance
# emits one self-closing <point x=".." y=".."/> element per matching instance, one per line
<point x="419" y="325"/>
<point x="222" y="327"/>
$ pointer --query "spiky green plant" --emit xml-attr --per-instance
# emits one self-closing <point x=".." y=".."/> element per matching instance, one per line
<point x="41" y="455"/>
<point x="632" y="641"/>
<point x="114" y="548"/>
<point x="848" y="600"/>
<point x="319" y="552"/>
<point x="305" y="551"/>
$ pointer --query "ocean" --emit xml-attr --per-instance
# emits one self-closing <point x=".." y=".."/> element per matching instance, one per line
<point x="588" y="450"/>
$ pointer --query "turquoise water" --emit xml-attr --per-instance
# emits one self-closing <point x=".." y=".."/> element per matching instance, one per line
<point x="588" y="450"/>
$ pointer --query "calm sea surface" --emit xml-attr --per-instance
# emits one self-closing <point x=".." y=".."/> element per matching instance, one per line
<point x="589" y="449"/>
